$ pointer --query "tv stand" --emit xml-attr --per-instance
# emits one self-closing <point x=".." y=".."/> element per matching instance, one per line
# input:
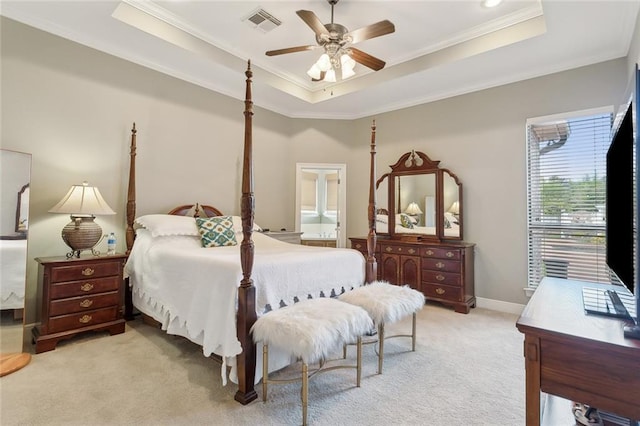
<point x="580" y="357"/>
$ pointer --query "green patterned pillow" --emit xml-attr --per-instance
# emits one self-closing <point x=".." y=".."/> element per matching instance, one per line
<point x="406" y="221"/>
<point x="216" y="231"/>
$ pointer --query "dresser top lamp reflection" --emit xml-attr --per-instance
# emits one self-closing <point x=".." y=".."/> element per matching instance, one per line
<point x="83" y="203"/>
<point x="414" y="211"/>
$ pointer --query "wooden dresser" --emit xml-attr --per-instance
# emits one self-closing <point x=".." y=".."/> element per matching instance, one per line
<point x="77" y="295"/>
<point x="442" y="271"/>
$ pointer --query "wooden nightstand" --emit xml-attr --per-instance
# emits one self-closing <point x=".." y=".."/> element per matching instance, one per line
<point x="77" y="295"/>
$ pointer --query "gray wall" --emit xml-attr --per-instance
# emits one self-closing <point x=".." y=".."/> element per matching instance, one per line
<point x="72" y="108"/>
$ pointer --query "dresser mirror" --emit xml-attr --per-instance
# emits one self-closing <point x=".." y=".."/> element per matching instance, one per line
<point x="15" y="172"/>
<point x="423" y="201"/>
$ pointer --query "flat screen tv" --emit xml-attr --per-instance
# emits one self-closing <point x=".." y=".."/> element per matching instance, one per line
<point x="622" y="240"/>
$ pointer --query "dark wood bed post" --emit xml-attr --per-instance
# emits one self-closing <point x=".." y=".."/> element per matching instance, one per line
<point x="131" y="215"/>
<point x="247" y="316"/>
<point x="371" y="272"/>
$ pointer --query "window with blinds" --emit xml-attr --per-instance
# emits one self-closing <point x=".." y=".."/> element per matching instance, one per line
<point x="309" y="192"/>
<point x="332" y="182"/>
<point x="566" y="193"/>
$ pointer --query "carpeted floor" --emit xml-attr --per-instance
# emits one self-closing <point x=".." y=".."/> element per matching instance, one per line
<point x="467" y="370"/>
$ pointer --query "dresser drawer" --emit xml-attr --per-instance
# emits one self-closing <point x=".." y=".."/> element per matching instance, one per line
<point x="437" y="278"/>
<point x="444" y="292"/>
<point x="80" y="272"/>
<point x="83" y="303"/>
<point x="399" y="250"/>
<point x="82" y="319"/>
<point x="440" y="253"/>
<point x="441" y="265"/>
<point x="78" y="288"/>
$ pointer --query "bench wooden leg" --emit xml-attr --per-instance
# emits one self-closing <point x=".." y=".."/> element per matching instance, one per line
<point x="305" y="392"/>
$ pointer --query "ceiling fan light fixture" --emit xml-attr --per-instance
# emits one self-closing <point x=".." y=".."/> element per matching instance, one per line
<point x="347" y="62"/>
<point x="330" y="76"/>
<point x="324" y="63"/>
<point x="347" y="72"/>
<point x="314" y="72"/>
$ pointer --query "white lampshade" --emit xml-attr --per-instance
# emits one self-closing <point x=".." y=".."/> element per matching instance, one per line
<point x="82" y="202"/>
<point x="347" y="62"/>
<point x="413" y="209"/>
<point x="314" y="72"/>
<point x="455" y="208"/>
<point x="347" y="72"/>
<point x="330" y="76"/>
<point x="324" y="63"/>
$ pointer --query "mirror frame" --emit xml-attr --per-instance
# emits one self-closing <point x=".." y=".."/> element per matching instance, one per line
<point x="418" y="163"/>
<point x="20" y="211"/>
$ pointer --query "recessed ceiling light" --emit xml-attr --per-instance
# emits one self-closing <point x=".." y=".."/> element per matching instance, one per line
<point x="491" y="3"/>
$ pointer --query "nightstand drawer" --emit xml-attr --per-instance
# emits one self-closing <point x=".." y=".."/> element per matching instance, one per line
<point x="441" y="265"/>
<point x="82" y="319"/>
<point x="85" y="271"/>
<point x="83" y="303"/>
<point x="78" y="288"/>
<point x="444" y="292"/>
<point x="437" y="278"/>
<point x="440" y="253"/>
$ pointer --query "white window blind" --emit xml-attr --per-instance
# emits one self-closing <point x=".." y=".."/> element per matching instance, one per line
<point x="309" y="192"/>
<point x="332" y="192"/>
<point x="566" y="192"/>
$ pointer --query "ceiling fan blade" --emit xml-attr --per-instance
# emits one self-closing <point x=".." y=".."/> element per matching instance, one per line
<point x="367" y="60"/>
<point x="371" y="31"/>
<point x="289" y="50"/>
<point x="313" y="21"/>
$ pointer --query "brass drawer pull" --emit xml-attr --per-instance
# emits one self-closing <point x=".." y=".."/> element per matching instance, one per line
<point x="429" y="252"/>
<point x="389" y="249"/>
<point x="440" y="291"/>
<point x="450" y="254"/>
<point x="85" y="319"/>
<point x="439" y="277"/>
<point x="440" y="265"/>
<point x="411" y="251"/>
<point x="358" y="246"/>
<point x="86" y="287"/>
<point x="87" y="272"/>
<point x="86" y="303"/>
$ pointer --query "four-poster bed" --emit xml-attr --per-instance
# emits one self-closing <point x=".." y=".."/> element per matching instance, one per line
<point x="260" y="259"/>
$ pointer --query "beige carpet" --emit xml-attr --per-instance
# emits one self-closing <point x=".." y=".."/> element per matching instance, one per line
<point x="467" y="370"/>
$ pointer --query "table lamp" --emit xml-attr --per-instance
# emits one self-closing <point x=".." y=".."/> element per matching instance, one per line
<point x="82" y="202"/>
<point x="455" y="208"/>
<point x="413" y="209"/>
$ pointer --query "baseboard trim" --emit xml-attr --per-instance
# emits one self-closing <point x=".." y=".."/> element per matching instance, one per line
<point x="499" y="305"/>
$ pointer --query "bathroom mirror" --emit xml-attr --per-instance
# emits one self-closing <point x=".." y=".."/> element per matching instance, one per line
<point x="15" y="172"/>
<point x="423" y="201"/>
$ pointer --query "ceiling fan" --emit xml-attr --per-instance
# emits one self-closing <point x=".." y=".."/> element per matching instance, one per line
<point x="336" y="40"/>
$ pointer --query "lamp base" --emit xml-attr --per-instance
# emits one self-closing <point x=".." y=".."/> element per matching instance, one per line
<point x="82" y="233"/>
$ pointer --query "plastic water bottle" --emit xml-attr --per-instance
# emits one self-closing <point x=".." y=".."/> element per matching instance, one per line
<point x="111" y="244"/>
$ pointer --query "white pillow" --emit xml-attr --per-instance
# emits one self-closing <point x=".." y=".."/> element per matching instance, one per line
<point x="167" y="224"/>
<point x="237" y="224"/>
<point x="382" y="218"/>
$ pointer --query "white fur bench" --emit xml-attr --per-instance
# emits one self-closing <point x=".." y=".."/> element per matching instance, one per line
<point x="386" y="303"/>
<point x="312" y="330"/>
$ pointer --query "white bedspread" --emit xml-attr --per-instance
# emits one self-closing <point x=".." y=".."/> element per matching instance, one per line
<point x="193" y="290"/>
<point x="13" y="264"/>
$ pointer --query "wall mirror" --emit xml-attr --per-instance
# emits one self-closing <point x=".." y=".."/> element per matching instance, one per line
<point x="423" y="201"/>
<point x="15" y="172"/>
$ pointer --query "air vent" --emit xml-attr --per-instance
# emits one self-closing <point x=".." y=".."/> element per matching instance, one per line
<point x="262" y="20"/>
